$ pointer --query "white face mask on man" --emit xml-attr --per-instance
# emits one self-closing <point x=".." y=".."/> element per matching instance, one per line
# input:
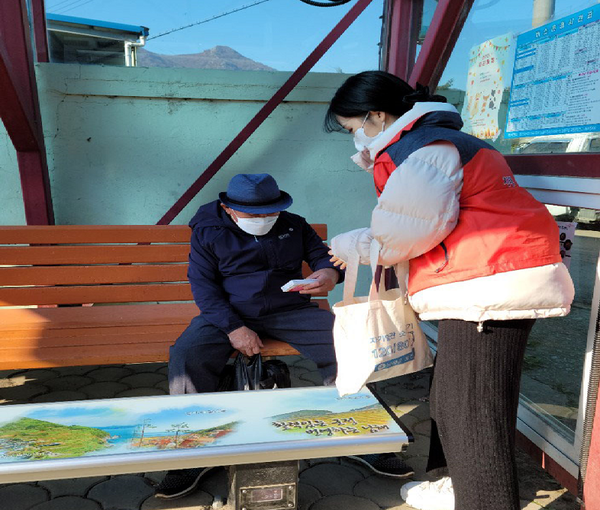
<point x="362" y="141"/>
<point x="257" y="226"/>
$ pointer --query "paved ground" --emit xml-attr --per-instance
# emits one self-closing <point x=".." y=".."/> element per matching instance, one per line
<point x="325" y="484"/>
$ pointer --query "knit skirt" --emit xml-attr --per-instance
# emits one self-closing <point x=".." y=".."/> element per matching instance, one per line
<point x="474" y="400"/>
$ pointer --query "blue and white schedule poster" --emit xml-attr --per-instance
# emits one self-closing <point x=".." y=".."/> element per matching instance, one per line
<point x="556" y="79"/>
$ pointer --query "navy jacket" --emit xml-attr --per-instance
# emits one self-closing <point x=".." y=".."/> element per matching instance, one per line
<point x="235" y="275"/>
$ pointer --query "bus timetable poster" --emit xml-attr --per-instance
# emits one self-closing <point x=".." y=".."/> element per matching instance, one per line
<point x="556" y="79"/>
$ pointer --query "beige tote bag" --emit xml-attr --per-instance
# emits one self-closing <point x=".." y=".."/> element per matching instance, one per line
<point x="376" y="337"/>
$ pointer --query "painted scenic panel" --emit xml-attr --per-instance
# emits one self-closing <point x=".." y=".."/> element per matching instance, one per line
<point x="86" y="428"/>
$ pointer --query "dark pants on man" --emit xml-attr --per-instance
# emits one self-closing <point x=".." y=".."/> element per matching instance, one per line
<point x="201" y="352"/>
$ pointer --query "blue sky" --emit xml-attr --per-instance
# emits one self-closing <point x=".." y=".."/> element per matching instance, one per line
<point x="281" y="33"/>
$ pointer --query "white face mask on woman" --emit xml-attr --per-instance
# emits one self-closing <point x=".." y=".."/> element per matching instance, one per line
<point x="361" y="140"/>
<point x="258" y="226"/>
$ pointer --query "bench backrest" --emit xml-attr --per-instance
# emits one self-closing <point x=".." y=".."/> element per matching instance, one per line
<point x="77" y="264"/>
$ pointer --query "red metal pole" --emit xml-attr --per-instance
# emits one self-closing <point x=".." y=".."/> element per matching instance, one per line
<point x="404" y="27"/>
<point x="38" y="12"/>
<point x="265" y="111"/>
<point x="20" y="112"/>
<point x="447" y="22"/>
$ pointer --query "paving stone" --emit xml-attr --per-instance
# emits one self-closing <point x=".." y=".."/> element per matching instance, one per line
<point x="307" y="495"/>
<point x="69" y="382"/>
<point x="81" y="370"/>
<point x="68" y="503"/>
<point x="122" y="492"/>
<point x="324" y="460"/>
<point x="60" y="396"/>
<point x="145" y="367"/>
<point x="143" y="380"/>
<point x="345" y="502"/>
<point x="199" y="500"/>
<point x="529" y="505"/>
<point x="21" y="496"/>
<point x="23" y="393"/>
<point x="163" y="370"/>
<point x="163" y="385"/>
<point x="420" y="446"/>
<point x="11" y="382"/>
<point x="7" y="374"/>
<point x="299" y="383"/>
<point x="302" y="465"/>
<point x="40" y="374"/>
<point x="155" y="477"/>
<point x="312" y="377"/>
<point x="382" y="490"/>
<point x="291" y="360"/>
<point x="72" y="486"/>
<point x="306" y="363"/>
<point x="104" y="389"/>
<point x="332" y="479"/>
<point x="418" y="464"/>
<point x="109" y="373"/>
<point x="423" y="428"/>
<point x="140" y="392"/>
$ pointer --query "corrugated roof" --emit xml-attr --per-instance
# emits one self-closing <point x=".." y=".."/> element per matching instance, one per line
<point x="98" y="23"/>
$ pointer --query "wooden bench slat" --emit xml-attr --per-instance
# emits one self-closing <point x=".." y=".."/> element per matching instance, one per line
<point x="95" y="294"/>
<point x="84" y="234"/>
<point x="83" y="255"/>
<point x="95" y="316"/>
<point x="43" y="319"/>
<point x="91" y="338"/>
<point x="86" y="275"/>
<point x="108" y="354"/>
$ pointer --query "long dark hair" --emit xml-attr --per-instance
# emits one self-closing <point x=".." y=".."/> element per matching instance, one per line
<point x="374" y="91"/>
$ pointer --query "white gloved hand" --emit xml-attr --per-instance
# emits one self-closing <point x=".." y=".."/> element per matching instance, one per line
<point x="342" y="244"/>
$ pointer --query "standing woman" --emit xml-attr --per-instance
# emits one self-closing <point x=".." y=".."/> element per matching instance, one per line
<point x="483" y="260"/>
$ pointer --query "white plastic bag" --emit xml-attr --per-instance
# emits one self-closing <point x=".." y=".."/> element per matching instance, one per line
<point x="376" y="337"/>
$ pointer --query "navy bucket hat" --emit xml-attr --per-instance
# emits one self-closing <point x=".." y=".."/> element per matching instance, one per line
<point x="255" y="194"/>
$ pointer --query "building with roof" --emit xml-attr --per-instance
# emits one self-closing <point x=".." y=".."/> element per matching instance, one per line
<point x="90" y="41"/>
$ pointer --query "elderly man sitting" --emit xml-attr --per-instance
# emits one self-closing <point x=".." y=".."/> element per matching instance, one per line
<point x="244" y="248"/>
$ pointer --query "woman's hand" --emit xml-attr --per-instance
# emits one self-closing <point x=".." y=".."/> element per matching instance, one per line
<point x="337" y="262"/>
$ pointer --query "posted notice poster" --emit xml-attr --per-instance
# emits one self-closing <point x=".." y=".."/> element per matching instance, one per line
<point x="556" y="80"/>
<point x="567" y="236"/>
<point x="488" y="64"/>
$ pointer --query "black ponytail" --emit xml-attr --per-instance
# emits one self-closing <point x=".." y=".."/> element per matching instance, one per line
<point x="375" y="91"/>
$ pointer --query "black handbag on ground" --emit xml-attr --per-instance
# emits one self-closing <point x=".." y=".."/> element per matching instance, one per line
<point x="254" y="374"/>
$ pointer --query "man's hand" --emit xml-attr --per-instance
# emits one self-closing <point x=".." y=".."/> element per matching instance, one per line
<point x="327" y="278"/>
<point x="245" y="340"/>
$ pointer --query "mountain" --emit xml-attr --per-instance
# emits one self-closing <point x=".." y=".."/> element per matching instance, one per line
<point x="219" y="57"/>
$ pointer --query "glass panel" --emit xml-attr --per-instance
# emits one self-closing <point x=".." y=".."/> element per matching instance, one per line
<point x="238" y="34"/>
<point x="553" y="365"/>
<point x="479" y="74"/>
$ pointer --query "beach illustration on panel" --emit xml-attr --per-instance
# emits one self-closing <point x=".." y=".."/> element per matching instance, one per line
<point x="137" y="425"/>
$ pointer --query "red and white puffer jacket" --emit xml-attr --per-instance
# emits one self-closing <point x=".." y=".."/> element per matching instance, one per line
<point x="479" y="246"/>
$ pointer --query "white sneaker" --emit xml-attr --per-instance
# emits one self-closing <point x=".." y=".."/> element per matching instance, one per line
<point x="429" y="495"/>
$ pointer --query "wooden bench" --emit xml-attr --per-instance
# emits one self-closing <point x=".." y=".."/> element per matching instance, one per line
<point x="134" y="276"/>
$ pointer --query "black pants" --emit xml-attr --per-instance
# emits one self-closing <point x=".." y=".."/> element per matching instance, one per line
<point x="198" y="356"/>
<point x="474" y="400"/>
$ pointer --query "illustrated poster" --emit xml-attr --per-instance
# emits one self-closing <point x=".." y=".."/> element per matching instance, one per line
<point x="78" y="429"/>
<point x="486" y="80"/>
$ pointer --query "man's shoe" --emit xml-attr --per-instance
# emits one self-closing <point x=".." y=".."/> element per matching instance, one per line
<point x="429" y="495"/>
<point x="179" y="483"/>
<point x="385" y="464"/>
